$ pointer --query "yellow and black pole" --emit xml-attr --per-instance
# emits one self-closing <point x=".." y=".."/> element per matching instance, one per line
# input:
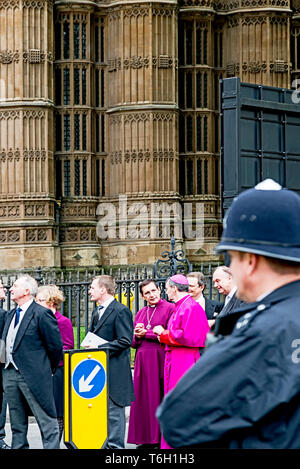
<point x="86" y="398"/>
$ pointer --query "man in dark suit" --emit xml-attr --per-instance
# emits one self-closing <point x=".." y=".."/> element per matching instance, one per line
<point x="197" y="284"/>
<point x="223" y="282"/>
<point x="112" y="321"/>
<point x="3" y="403"/>
<point x="33" y="348"/>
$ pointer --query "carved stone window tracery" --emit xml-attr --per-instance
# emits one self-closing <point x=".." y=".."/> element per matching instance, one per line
<point x="295" y="48"/>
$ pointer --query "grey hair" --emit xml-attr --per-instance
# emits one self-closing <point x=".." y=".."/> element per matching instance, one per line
<point x="30" y="283"/>
<point x="225" y="269"/>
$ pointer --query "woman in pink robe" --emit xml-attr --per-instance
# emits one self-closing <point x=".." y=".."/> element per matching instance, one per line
<point x="186" y="332"/>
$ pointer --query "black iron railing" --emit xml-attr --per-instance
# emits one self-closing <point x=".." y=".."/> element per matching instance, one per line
<point x="75" y="285"/>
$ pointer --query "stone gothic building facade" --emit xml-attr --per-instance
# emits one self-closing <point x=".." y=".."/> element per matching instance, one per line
<point x="109" y="121"/>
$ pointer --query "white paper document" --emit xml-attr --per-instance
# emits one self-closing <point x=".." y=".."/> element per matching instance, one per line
<point x="92" y="340"/>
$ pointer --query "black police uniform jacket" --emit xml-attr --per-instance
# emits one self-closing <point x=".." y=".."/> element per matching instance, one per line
<point x="254" y="373"/>
<point x="37" y="351"/>
<point x="116" y="326"/>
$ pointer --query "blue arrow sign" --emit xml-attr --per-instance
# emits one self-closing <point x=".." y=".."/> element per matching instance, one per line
<point x="89" y="378"/>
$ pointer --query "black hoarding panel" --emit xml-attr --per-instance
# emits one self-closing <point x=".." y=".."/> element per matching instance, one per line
<point x="260" y="137"/>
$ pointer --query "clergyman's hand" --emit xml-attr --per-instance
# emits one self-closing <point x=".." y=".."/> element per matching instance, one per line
<point x="158" y="330"/>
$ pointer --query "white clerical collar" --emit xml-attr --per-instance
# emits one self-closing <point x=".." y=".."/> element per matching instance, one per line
<point x="154" y="306"/>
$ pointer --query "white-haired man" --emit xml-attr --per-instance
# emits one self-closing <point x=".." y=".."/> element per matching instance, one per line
<point x="33" y="350"/>
<point x="224" y="283"/>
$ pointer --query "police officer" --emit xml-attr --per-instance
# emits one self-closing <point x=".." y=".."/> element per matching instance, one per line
<point x="254" y="366"/>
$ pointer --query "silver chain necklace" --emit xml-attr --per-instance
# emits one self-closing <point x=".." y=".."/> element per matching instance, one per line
<point x="149" y="320"/>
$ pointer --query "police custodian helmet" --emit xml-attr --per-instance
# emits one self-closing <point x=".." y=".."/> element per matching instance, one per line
<point x="263" y="220"/>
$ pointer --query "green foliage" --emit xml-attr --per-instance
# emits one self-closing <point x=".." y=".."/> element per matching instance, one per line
<point x="82" y="336"/>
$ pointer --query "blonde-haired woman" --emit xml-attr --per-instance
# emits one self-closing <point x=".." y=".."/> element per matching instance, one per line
<point x="51" y="297"/>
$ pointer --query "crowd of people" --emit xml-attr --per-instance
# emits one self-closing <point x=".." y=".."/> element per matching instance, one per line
<point x="168" y="337"/>
<point x="34" y="335"/>
<point x="242" y="392"/>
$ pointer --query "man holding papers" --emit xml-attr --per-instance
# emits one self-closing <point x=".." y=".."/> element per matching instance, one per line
<point x="112" y="322"/>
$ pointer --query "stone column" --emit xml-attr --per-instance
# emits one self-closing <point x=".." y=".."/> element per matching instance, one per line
<point x="142" y="121"/>
<point x="257" y="43"/>
<point x="28" y="231"/>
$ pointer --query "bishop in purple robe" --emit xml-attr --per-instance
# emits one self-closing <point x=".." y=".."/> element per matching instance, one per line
<point x="148" y="377"/>
<point x="185" y="332"/>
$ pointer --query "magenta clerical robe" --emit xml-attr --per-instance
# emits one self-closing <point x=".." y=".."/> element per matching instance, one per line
<point x="188" y="327"/>
<point x="148" y="376"/>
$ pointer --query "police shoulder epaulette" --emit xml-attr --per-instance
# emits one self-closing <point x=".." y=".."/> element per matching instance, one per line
<point x="246" y="318"/>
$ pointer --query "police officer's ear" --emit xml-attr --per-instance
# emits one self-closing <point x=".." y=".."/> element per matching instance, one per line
<point x="252" y="260"/>
<point x="249" y="259"/>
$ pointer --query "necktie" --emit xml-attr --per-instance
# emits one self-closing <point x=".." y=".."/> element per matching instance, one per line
<point x="99" y="309"/>
<point x="227" y="299"/>
<point x="17" y="315"/>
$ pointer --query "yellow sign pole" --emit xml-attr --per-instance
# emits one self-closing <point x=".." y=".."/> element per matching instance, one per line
<point x="86" y="398"/>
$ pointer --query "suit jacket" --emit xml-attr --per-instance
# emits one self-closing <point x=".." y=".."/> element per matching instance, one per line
<point x="2" y="321"/>
<point x="116" y="326"/>
<point x="229" y="308"/>
<point x="232" y="304"/>
<point x="212" y="306"/>
<point x="37" y="351"/>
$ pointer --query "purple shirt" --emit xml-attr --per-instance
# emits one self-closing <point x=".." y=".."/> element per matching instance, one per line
<point x="66" y="332"/>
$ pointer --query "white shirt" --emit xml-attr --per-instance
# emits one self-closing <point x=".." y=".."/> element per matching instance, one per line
<point x="230" y="295"/>
<point x="12" y="333"/>
<point x="105" y="306"/>
<point x="201" y="301"/>
<point x="261" y="297"/>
